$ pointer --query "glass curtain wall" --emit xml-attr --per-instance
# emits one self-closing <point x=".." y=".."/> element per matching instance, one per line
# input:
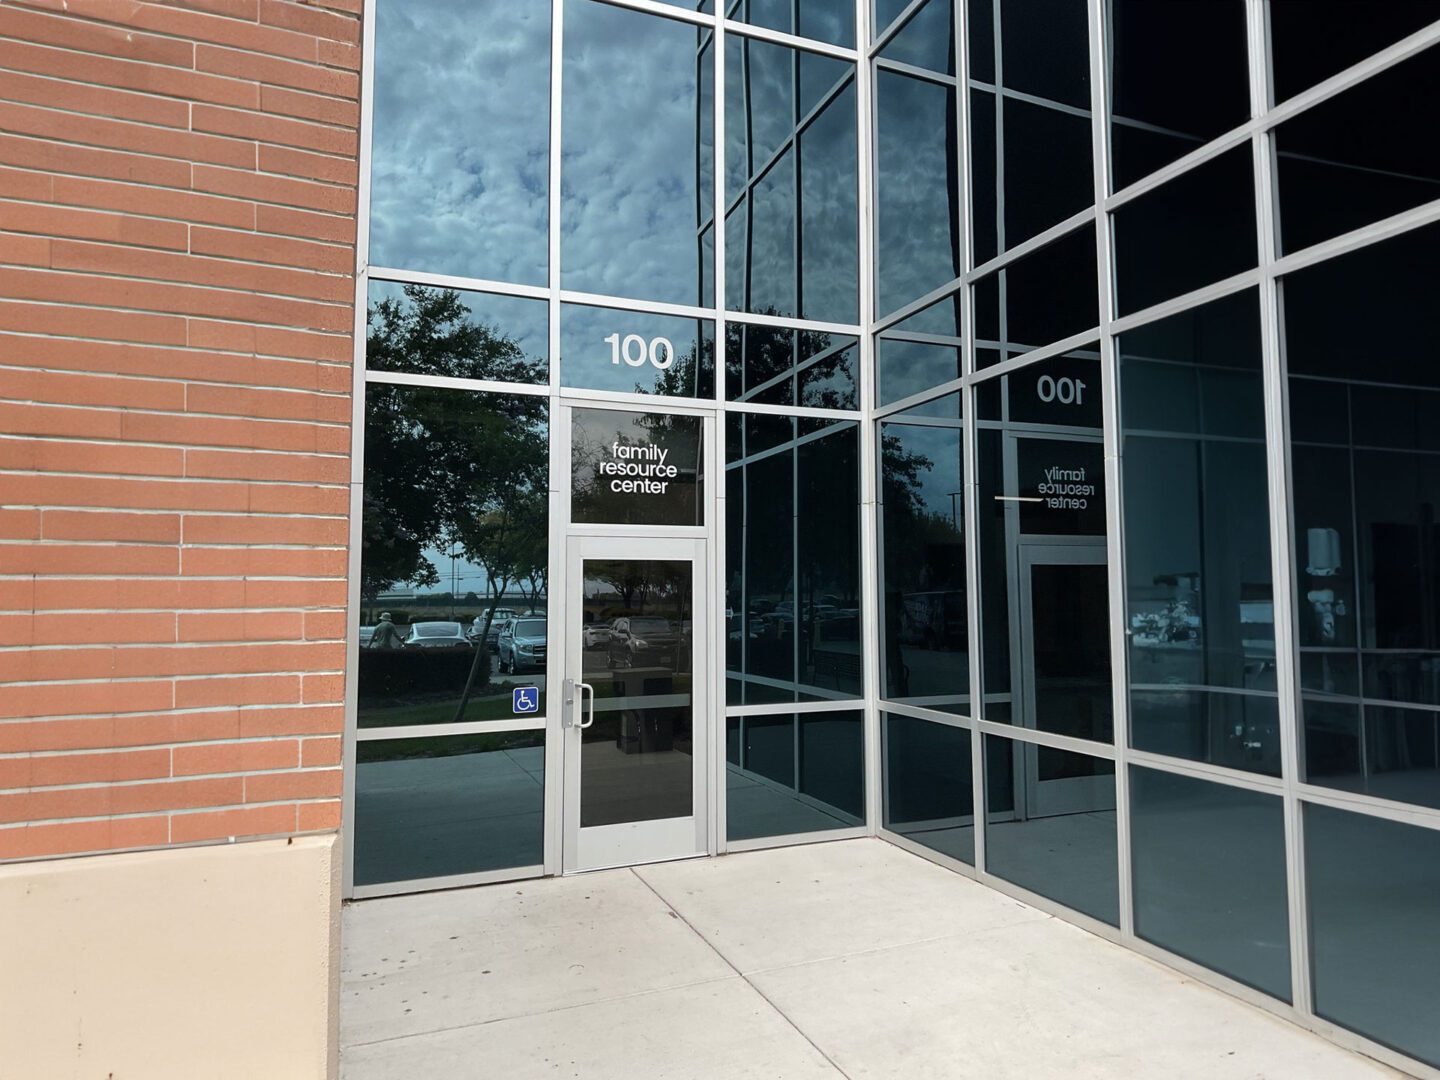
<point x="1155" y="539"/>
<point x="1068" y="359"/>
<point x="592" y="202"/>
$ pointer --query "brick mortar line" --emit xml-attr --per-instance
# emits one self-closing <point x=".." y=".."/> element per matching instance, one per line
<point x="199" y="350"/>
<point x="337" y="335"/>
<point x="190" y="223"/>
<point x="103" y="785"/>
<point x="194" y="711"/>
<point x="167" y="811"/>
<point x="156" y="95"/>
<point x="324" y="455"/>
<point x="335" y="485"/>
<point x="243" y="200"/>
<point x="316" y="422"/>
<point x="257" y="110"/>
<point x="193" y="41"/>
<point x="190" y="161"/>
<point x="211" y="14"/>
<point x="235" y="140"/>
<point x="187" y="285"/>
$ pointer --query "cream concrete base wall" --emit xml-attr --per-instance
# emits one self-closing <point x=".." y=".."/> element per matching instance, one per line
<point x="217" y="962"/>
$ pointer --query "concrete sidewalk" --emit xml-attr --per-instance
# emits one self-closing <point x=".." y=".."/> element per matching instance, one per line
<point x="851" y="959"/>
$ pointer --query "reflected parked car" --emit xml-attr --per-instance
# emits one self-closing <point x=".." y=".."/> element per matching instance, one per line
<point x="642" y="641"/>
<point x="436" y="635"/>
<point x="366" y="633"/>
<point x="595" y="634"/>
<point x="523" y="646"/>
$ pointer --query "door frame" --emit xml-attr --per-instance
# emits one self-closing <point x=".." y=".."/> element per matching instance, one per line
<point x="562" y="800"/>
<point x="1073" y="794"/>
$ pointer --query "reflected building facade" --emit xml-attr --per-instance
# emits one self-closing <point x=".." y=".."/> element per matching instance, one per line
<point x="807" y="420"/>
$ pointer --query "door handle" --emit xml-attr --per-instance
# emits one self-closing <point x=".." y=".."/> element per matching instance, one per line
<point x="584" y="722"/>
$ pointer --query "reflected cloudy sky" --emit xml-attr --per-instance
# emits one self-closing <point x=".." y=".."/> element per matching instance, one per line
<point x="460" y="171"/>
<point x="916" y="197"/>
<point x="461" y="153"/>
<point x="631" y="157"/>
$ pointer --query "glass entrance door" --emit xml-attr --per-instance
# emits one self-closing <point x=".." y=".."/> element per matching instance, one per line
<point x="1065" y="661"/>
<point x="636" y="729"/>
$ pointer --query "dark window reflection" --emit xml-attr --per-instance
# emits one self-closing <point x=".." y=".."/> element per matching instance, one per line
<point x="460" y="166"/>
<point x="1050" y="825"/>
<point x="1366" y="483"/>
<point x="454" y="547"/>
<point x="924" y="636"/>
<point x="1179" y="77"/>
<point x="916" y="189"/>
<point x="1200" y="600"/>
<point x="632" y="209"/>
<point x="792" y="216"/>
<point x="1031" y="163"/>
<point x="1042" y="298"/>
<point x="929" y="797"/>
<point x="793" y="613"/>
<point x="1033" y="159"/>
<point x="636" y="352"/>
<point x="794" y="773"/>
<point x="921" y="351"/>
<point x="823" y="20"/>
<point x="1208" y="873"/>
<point x="464" y="335"/>
<point x="636" y="468"/>
<point x="1190" y="232"/>
<point x="1355" y="159"/>
<point x="1374" y="914"/>
<point x="1041" y="491"/>
<point x="927" y="40"/>
<point x="1310" y="40"/>
<point x="458" y="804"/>
<point x="778" y="366"/>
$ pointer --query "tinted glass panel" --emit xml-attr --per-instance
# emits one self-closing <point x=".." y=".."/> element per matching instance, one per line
<point x="1366" y="482"/>
<point x="636" y="762"/>
<point x="779" y="366"/>
<point x="924" y="636"/>
<point x="917" y="194"/>
<point x="1310" y="40"/>
<point x="1190" y="232"/>
<point x="631" y="209"/>
<point x="1200" y="601"/>
<point x="454" y="544"/>
<point x="1037" y="300"/>
<point x="444" y="199"/>
<point x="794" y="773"/>
<point x="1045" y="49"/>
<point x="438" y="807"/>
<point x="1033" y="159"/>
<point x="1354" y="159"/>
<point x="793" y="542"/>
<point x="927" y="39"/>
<point x="636" y="352"/>
<point x="466" y="335"/>
<point x="1208" y="873"/>
<point x="1051" y="825"/>
<point x="929" y="797"/>
<point x="791" y="174"/>
<point x="1374" y="911"/>
<point x="633" y="468"/>
<point x="1160" y="54"/>
<point x="921" y="351"/>
<point x="823" y="20"/>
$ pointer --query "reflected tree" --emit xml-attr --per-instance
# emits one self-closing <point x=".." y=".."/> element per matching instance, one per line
<point x="450" y="467"/>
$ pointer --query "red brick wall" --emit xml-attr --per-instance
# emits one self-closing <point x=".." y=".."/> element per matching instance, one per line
<point x="177" y="219"/>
